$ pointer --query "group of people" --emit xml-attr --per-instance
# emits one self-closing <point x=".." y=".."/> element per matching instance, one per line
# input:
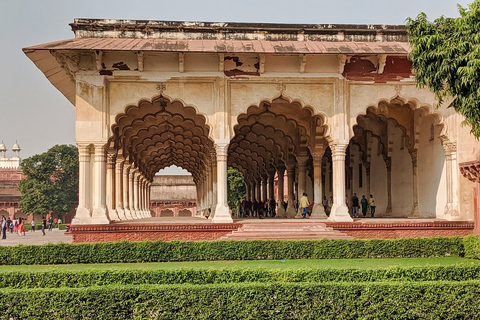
<point x="357" y="203"/>
<point x="18" y="225"/>
<point x="258" y="208"/>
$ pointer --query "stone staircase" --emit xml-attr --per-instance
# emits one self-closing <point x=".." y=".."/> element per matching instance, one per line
<point x="285" y="230"/>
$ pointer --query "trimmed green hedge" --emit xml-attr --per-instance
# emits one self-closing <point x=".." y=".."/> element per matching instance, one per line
<point x="472" y="246"/>
<point x="62" y="226"/>
<point x="159" y="251"/>
<point x="401" y="300"/>
<point x="77" y="279"/>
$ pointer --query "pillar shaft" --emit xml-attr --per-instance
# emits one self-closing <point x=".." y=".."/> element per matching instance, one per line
<point x="119" y="190"/>
<point x="280" y="209"/>
<point x="291" y="181"/>
<point x="83" y="214"/>
<point x="222" y="213"/>
<point x="99" y="214"/>
<point x="318" y="211"/>
<point x="415" y="213"/>
<point x="126" y="191"/>
<point x="388" y="164"/>
<point x="339" y="210"/>
<point x="451" y="207"/>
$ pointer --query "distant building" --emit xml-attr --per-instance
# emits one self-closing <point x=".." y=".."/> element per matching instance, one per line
<point x="173" y="196"/>
<point x="10" y="176"/>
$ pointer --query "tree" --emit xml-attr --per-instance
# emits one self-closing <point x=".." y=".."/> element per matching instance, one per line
<point x="446" y="59"/>
<point x="236" y="188"/>
<point x="51" y="182"/>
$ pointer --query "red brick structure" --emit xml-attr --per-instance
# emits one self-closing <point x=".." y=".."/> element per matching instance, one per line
<point x="9" y="194"/>
<point x="215" y="231"/>
<point x="471" y="170"/>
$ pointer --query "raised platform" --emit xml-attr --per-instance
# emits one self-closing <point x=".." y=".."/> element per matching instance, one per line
<point x="241" y="229"/>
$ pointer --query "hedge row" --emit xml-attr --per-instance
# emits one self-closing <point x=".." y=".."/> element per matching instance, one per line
<point x="77" y="279"/>
<point x="472" y="247"/>
<point x="158" y="251"/>
<point x="376" y="300"/>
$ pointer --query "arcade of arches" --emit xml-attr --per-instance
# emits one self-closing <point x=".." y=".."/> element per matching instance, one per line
<point x="326" y="112"/>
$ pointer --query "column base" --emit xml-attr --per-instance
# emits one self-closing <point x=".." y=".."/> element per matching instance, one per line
<point x="82" y="216"/>
<point x="112" y="215"/>
<point x="100" y="216"/>
<point x="415" y="214"/>
<point x="340" y="213"/>
<point x="281" y="212"/>
<point x="121" y="214"/>
<point x="318" y="212"/>
<point x="222" y="214"/>
<point x="291" y="212"/>
<point x="128" y="214"/>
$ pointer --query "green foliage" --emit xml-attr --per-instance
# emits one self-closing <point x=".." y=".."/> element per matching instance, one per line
<point x="236" y="188"/>
<point x="51" y="182"/>
<point x="472" y="246"/>
<point x="62" y="226"/>
<point x="446" y="58"/>
<point x="159" y="251"/>
<point x="87" y="278"/>
<point x="343" y="300"/>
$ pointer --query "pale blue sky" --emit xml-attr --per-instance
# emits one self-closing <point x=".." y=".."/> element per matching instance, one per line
<point x="35" y="114"/>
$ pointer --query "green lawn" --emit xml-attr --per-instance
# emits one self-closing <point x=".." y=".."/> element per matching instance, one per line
<point x="266" y="264"/>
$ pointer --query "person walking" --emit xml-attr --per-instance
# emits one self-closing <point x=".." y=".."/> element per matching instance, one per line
<point x="355" y="205"/>
<point x="325" y="204"/>
<point x="4" y="228"/>
<point x="33" y="225"/>
<point x="304" y="204"/>
<point x="364" y="204"/>
<point x="44" y="224"/>
<point x="371" y="203"/>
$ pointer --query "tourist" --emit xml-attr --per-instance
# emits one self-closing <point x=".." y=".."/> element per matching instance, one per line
<point x="330" y="205"/>
<point x="285" y="205"/>
<point x="325" y="203"/>
<point x="33" y="226"/>
<point x="371" y="203"/>
<point x="44" y="224"/>
<point x="364" y="204"/>
<point x="21" y="227"/>
<point x="303" y="205"/>
<point x="4" y="228"/>
<point x="9" y="225"/>
<point x="50" y="223"/>
<point x="355" y="205"/>
<point x="15" y="225"/>
<point x="273" y="204"/>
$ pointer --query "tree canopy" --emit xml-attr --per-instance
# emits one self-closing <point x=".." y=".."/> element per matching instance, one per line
<point x="236" y="188"/>
<point x="51" y="182"/>
<point x="446" y="59"/>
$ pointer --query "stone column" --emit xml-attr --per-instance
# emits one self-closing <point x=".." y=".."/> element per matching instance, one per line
<point x="339" y="209"/>
<point x="318" y="211"/>
<point x="415" y="213"/>
<point x="119" y="189"/>
<point x="99" y="214"/>
<point x="209" y="187"/>
<point x="110" y="185"/>
<point x="280" y="209"/>
<point x="214" y="181"/>
<point x="388" y="164"/>
<point x="133" y="192"/>
<point x="291" y="181"/>
<point x="149" y="190"/>
<point x="126" y="191"/>
<point x="367" y="177"/>
<point x="258" y="186"/>
<point x="222" y="213"/>
<point x="451" y="207"/>
<point x="270" y="183"/>
<point x="302" y="180"/>
<point x="264" y="188"/>
<point x="247" y="190"/>
<point x="82" y="215"/>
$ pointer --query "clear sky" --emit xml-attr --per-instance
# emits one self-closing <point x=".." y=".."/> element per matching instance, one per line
<point x="36" y="115"/>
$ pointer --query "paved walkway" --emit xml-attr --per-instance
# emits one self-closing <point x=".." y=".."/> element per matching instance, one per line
<point x="54" y="236"/>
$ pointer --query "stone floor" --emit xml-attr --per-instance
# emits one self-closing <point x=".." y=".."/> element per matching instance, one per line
<point x="54" y="236"/>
